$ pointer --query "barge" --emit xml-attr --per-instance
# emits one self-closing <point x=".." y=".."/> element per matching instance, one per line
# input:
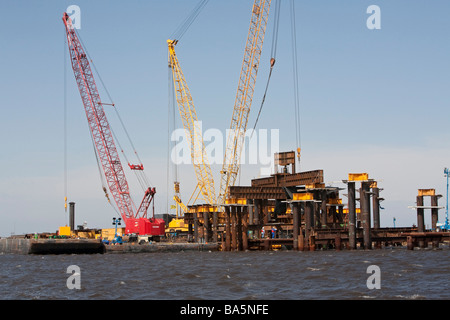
<point x="94" y="246"/>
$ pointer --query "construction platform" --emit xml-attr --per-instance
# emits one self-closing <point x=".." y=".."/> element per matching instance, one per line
<point x="338" y="239"/>
<point x="296" y="210"/>
<point x="288" y="210"/>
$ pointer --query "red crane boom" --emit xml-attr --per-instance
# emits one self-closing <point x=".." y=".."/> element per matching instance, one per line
<point x="136" y="221"/>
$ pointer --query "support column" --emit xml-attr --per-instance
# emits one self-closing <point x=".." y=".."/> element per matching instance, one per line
<point x="196" y="225"/>
<point x="376" y="212"/>
<point x="245" y="217"/>
<point x="256" y="216"/>
<point x="301" y="231"/>
<point x="312" y="243"/>
<point x="323" y="208"/>
<point x="333" y="215"/>
<point x="434" y="212"/>
<point x="190" y="226"/>
<point x="337" y="242"/>
<point x="351" y="215"/>
<point x="233" y="229"/>
<point x="250" y="211"/>
<point x="265" y="211"/>
<point x="317" y="221"/>
<point x="420" y="220"/>
<point x="376" y="207"/>
<point x="420" y="215"/>
<point x="295" y="224"/>
<point x="266" y="243"/>
<point x="365" y="214"/>
<point x="409" y="243"/>
<point x="435" y="243"/>
<point x="239" y="246"/>
<point x="215" y="227"/>
<point x="312" y="216"/>
<point x="207" y="227"/>
<point x="227" y="228"/>
<point x="72" y="216"/>
<point x="308" y="221"/>
<point x="340" y="215"/>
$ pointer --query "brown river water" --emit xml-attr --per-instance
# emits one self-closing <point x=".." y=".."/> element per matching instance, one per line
<point x="279" y="275"/>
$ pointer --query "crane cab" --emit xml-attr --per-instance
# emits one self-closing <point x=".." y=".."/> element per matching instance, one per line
<point x="152" y="229"/>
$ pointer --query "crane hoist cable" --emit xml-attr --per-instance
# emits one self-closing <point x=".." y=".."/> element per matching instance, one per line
<point x="65" y="121"/>
<point x="171" y="124"/>
<point x="65" y="126"/>
<point x="295" y="74"/>
<point x="170" y="106"/>
<point x="184" y="26"/>
<point x="143" y="180"/>
<point x="275" y="29"/>
<point x="273" y="55"/>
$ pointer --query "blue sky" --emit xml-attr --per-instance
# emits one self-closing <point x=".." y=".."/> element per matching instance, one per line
<point x="371" y="101"/>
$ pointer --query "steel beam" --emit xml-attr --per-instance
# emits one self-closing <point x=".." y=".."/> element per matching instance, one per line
<point x="257" y="193"/>
<point x="290" y="180"/>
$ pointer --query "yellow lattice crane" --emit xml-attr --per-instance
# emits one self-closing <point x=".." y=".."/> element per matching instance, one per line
<point x="205" y="181"/>
<point x="246" y="87"/>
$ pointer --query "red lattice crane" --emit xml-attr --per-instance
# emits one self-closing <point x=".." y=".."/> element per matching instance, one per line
<point x="135" y="220"/>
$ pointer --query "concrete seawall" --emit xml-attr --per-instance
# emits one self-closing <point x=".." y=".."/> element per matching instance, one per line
<point x="17" y="246"/>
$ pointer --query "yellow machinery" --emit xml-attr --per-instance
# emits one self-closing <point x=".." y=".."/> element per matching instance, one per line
<point x="177" y="225"/>
<point x="110" y="233"/>
<point x="205" y="181"/>
<point x="243" y="102"/>
<point x="64" y="231"/>
<point x="81" y="234"/>
<point x="180" y="206"/>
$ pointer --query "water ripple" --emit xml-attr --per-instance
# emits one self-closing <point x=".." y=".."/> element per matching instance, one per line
<point x="405" y="275"/>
